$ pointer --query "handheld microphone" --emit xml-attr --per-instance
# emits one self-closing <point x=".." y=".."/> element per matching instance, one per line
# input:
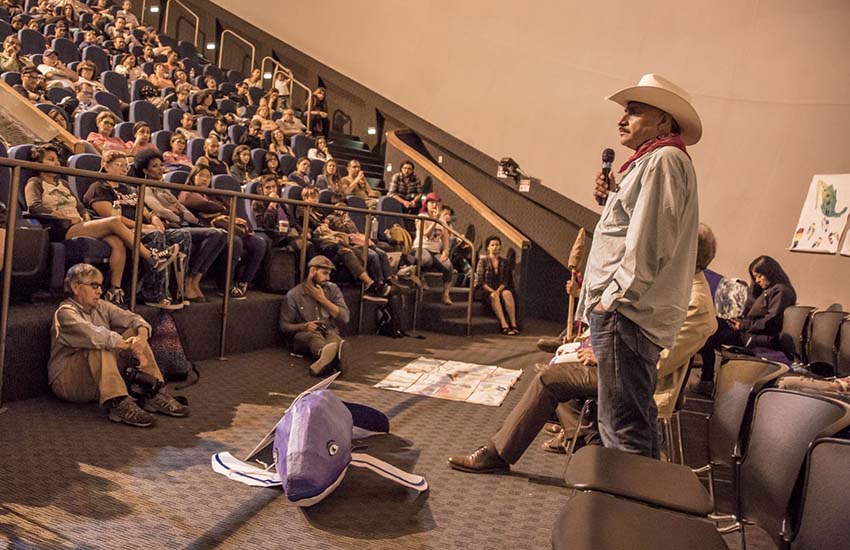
<point x="607" y="159"/>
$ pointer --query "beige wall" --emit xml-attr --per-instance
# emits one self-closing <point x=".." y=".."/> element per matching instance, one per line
<point x="771" y="81"/>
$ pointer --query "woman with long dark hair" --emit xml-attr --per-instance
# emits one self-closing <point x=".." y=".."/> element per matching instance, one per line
<point x="769" y="294"/>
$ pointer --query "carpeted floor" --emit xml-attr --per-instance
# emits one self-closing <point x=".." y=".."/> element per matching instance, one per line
<point x="71" y="479"/>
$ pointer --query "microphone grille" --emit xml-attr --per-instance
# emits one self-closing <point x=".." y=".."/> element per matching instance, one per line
<point x="608" y="155"/>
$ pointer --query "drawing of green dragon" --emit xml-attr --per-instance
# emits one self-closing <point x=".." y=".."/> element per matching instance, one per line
<point x="827" y="199"/>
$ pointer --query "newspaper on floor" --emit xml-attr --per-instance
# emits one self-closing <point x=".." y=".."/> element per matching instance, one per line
<point x="453" y="380"/>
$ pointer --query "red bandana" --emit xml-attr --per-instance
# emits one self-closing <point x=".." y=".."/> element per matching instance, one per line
<point x="656" y="143"/>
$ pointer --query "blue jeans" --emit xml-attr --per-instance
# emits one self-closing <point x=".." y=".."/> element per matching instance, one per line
<point x="627" y="376"/>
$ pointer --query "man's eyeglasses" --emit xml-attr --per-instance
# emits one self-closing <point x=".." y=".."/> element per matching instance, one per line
<point x="94" y="285"/>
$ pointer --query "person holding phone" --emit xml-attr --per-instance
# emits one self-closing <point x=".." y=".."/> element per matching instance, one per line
<point x="310" y="315"/>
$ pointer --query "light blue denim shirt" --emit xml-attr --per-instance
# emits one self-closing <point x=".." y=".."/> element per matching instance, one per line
<point x="644" y="248"/>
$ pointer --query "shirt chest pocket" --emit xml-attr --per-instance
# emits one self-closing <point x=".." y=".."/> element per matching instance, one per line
<point x="617" y="216"/>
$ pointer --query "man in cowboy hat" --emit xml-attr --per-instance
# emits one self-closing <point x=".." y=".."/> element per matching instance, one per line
<point x="640" y="268"/>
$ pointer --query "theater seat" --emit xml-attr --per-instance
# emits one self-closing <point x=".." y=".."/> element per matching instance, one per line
<point x="145" y="111"/>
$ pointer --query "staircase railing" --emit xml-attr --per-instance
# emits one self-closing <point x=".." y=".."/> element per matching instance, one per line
<point x="142" y="185"/>
<point x="192" y="13"/>
<point x="240" y="37"/>
<point x="279" y="67"/>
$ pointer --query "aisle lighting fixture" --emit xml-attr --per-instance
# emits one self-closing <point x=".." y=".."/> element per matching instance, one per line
<point x="389" y="167"/>
<point x="210" y="45"/>
<point x="267" y="76"/>
<point x="371" y="130"/>
<point x="154" y="9"/>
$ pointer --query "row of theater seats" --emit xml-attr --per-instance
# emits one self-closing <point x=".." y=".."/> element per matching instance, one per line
<point x="818" y="339"/>
<point x="62" y="253"/>
<point x="789" y="476"/>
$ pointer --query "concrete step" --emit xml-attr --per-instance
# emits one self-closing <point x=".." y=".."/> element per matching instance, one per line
<point x="457" y="325"/>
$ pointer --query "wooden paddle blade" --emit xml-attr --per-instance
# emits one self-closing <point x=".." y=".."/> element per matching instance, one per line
<point x="577" y="253"/>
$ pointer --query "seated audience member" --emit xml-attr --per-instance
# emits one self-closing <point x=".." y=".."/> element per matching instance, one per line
<point x="301" y="174"/>
<point x="181" y="101"/>
<point x="119" y="29"/>
<point x="320" y="151"/>
<point x="148" y="54"/>
<point x="97" y="23"/>
<point x="210" y="158"/>
<point x="562" y="383"/>
<point x="330" y="244"/>
<point x="86" y="74"/>
<point x="93" y="342"/>
<point x="129" y="67"/>
<point x="406" y="188"/>
<point x="355" y="183"/>
<point x="181" y="80"/>
<point x="118" y="47"/>
<point x="48" y="194"/>
<point x="242" y="98"/>
<point x="187" y="127"/>
<point x="263" y="115"/>
<point x="90" y="38"/>
<point x="211" y="87"/>
<point x="60" y="30"/>
<point x="271" y="166"/>
<point x="290" y="125"/>
<point x="205" y="105"/>
<point x="207" y="242"/>
<point x="435" y="247"/>
<point x="273" y="101"/>
<point x="17" y="23"/>
<point x="32" y="86"/>
<point x="277" y="143"/>
<point x="255" y="80"/>
<point x="377" y="261"/>
<point x="159" y="78"/>
<point x="770" y="293"/>
<point x="58" y="117"/>
<point x="85" y="99"/>
<point x="329" y="178"/>
<point x="248" y="248"/>
<point x="253" y="137"/>
<point x="219" y="131"/>
<point x="110" y="198"/>
<point x="177" y="158"/>
<point x="241" y="166"/>
<point x="310" y="315"/>
<point x="103" y="140"/>
<point x="317" y="107"/>
<point x="494" y="285"/>
<point x="173" y="63"/>
<point x="56" y="73"/>
<point x="272" y="219"/>
<point x="11" y="58"/>
<point x="142" y="139"/>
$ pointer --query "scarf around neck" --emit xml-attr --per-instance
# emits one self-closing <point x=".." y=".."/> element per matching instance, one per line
<point x="650" y="145"/>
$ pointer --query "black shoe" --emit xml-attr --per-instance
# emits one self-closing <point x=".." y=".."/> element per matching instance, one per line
<point x="127" y="411"/>
<point x="483" y="461"/>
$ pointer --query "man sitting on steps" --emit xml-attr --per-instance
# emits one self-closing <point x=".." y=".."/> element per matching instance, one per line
<point x="310" y="314"/>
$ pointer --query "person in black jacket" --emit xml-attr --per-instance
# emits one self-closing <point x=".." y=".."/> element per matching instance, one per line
<point x="770" y="293"/>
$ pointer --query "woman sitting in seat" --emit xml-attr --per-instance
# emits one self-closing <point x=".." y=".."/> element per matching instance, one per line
<point x="129" y="67"/>
<point x="187" y="127"/>
<point x="103" y="140"/>
<point x="264" y="116"/>
<point x="494" y="285"/>
<point x="177" y="159"/>
<point x="301" y="174"/>
<point x="770" y="293"/>
<point x="48" y="194"/>
<point x="329" y="178"/>
<point x="277" y="143"/>
<point x="435" y="246"/>
<point x="241" y="166"/>
<point x="320" y="151"/>
<point x="206" y="104"/>
<point x="142" y="138"/>
<point x="159" y="78"/>
<point x="248" y="248"/>
<point x="271" y="166"/>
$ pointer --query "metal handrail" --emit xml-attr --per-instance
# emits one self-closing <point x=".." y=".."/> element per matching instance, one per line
<point x="142" y="184"/>
<point x="292" y="81"/>
<point x="192" y="13"/>
<point x="221" y="46"/>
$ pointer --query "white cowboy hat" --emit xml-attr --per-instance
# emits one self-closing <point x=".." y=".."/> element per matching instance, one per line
<point x="659" y="92"/>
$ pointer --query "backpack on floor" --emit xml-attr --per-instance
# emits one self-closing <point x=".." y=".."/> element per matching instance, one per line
<point x="281" y="269"/>
<point x="168" y="349"/>
<point x="388" y="323"/>
<point x="399" y="236"/>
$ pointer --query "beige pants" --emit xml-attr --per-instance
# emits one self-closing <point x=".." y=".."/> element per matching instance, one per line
<point x="92" y="374"/>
